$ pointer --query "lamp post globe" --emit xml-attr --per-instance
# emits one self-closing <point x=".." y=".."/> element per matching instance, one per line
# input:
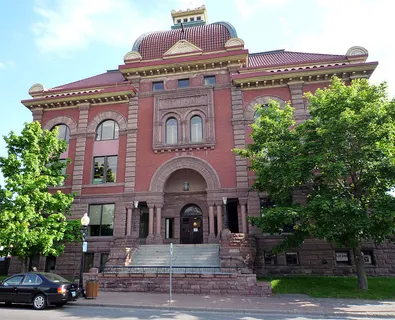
<point x="85" y="220"/>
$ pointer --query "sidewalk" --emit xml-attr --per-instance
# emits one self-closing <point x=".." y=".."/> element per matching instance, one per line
<point x="276" y="304"/>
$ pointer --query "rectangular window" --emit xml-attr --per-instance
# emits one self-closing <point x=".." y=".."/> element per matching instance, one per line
<point x="169" y="225"/>
<point x="185" y="19"/>
<point x="178" y="20"/>
<point x="342" y="258"/>
<point x="209" y="80"/>
<point x="292" y="258"/>
<point x="183" y="83"/>
<point x="191" y="19"/>
<point x="88" y="261"/>
<point x="198" y="18"/>
<point x="270" y="258"/>
<point x="103" y="260"/>
<point x="158" y="86"/>
<point x="102" y="220"/>
<point x="368" y="257"/>
<point x="105" y="169"/>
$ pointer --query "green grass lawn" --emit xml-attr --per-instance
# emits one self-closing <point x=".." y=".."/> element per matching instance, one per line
<point x="333" y="287"/>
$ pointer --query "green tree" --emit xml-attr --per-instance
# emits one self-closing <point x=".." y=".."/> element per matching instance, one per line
<point x="32" y="219"/>
<point x="344" y="155"/>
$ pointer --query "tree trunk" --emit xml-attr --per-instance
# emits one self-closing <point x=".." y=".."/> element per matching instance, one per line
<point x="361" y="273"/>
<point x="25" y="264"/>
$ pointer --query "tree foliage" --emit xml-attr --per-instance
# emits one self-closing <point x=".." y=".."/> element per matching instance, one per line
<point x="343" y="156"/>
<point x="33" y="219"/>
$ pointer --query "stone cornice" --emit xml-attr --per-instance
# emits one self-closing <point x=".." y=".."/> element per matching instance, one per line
<point x="69" y="100"/>
<point x="259" y="80"/>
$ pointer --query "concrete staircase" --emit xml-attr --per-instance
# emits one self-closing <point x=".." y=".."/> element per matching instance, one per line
<point x="184" y="255"/>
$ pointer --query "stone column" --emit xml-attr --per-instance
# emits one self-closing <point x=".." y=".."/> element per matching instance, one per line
<point x="131" y="142"/>
<point x="219" y="219"/>
<point x="211" y="236"/>
<point x="150" y="237"/>
<point x="80" y="148"/>
<point x="158" y="235"/>
<point x="243" y="216"/>
<point x="296" y="88"/>
<point x="37" y="114"/>
<point x="129" y="221"/>
<point x="135" y="215"/>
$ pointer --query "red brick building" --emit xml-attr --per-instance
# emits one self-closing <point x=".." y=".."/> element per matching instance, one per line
<point x="151" y="142"/>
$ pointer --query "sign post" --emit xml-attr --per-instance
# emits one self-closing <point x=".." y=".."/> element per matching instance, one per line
<point x="171" y="266"/>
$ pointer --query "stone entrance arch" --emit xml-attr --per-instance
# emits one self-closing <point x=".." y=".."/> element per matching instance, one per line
<point x="186" y="162"/>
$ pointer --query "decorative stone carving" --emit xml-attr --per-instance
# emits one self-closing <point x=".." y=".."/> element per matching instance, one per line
<point x="249" y="110"/>
<point x="61" y="120"/>
<point x="132" y="56"/>
<point x="183" y="105"/>
<point x="182" y="46"/>
<point x="35" y="89"/>
<point x="234" y="42"/>
<point x="201" y="166"/>
<point x="356" y="51"/>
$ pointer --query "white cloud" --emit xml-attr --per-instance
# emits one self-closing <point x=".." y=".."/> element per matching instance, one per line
<point x="247" y="8"/>
<point x="353" y="22"/>
<point x="65" y="26"/>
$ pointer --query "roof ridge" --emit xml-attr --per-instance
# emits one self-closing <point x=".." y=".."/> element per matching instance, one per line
<point x="267" y="52"/>
<point x="318" y="54"/>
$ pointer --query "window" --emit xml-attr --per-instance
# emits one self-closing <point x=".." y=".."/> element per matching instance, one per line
<point x="185" y="20"/>
<point x="342" y="258"/>
<point x="270" y="258"/>
<point x="171" y="131"/>
<point x="63" y="132"/>
<point x="292" y="258"/>
<point x="191" y="19"/>
<point x="107" y="130"/>
<point x="103" y="260"/>
<point x="368" y="257"/>
<point x="105" y="169"/>
<point x="196" y="129"/>
<point x="102" y="220"/>
<point x="13" y="281"/>
<point x="169" y="227"/>
<point x="157" y="86"/>
<point x="88" y="262"/>
<point x="178" y="20"/>
<point x="32" y="279"/>
<point x="258" y="113"/>
<point x="183" y="83"/>
<point x="209" y="80"/>
<point x="198" y="18"/>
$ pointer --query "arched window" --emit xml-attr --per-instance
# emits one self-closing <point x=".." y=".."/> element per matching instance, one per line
<point x="107" y="130"/>
<point x="171" y="131"/>
<point x="196" y="129"/>
<point x="257" y="112"/>
<point x="63" y="132"/>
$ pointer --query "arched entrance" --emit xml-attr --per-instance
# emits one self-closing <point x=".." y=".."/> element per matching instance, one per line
<point x="191" y="225"/>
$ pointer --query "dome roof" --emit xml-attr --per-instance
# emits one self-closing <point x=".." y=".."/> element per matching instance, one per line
<point x="208" y="37"/>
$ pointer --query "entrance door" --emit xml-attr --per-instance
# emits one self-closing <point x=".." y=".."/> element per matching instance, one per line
<point x="191" y="225"/>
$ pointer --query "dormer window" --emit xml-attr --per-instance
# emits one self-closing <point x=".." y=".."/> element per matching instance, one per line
<point x="178" y="20"/>
<point x="185" y="20"/>
<point x="192" y="19"/>
<point x="198" y="18"/>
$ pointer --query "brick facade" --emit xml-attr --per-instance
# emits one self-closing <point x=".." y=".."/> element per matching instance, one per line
<point x="146" y="163"/>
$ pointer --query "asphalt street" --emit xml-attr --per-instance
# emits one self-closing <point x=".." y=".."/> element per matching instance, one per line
<point x="73" y="312"/>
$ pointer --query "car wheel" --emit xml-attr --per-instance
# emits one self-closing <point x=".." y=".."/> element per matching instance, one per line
<point x="39" y="302"/>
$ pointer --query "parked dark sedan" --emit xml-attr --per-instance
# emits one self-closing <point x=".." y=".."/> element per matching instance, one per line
<point x="38" y="289"/>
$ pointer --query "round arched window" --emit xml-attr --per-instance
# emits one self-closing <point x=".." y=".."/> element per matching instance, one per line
<point x="171" y="131"/>
<point x="107" y="130"/>
<point x="63" y="132"/>
<point x="196" y="129"/>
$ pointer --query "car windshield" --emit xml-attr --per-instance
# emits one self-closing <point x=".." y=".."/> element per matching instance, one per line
<point x="55" y="277"/>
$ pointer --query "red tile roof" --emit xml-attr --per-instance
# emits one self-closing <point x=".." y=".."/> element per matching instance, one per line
<point x="108" y="78"/>
<point x="207" y="37"/>
<point x="282" y="57"/>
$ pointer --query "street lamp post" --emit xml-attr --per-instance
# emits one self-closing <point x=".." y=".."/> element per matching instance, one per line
<point x="226" y="218"/>
<point x="84" y="222"/>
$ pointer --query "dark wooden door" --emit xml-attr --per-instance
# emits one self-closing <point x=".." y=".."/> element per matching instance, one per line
<point x="191" y="226"/>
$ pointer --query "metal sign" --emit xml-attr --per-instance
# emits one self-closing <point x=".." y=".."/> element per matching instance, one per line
<point x="85" y="246"/>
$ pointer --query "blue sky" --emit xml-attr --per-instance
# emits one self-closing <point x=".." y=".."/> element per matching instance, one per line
<point x="53" y="42"/>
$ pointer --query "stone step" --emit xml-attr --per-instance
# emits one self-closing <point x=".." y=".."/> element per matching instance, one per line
<point x="204" y="255"/>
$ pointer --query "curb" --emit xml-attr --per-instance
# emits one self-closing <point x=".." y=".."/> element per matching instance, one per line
<point x="364" y="314"/>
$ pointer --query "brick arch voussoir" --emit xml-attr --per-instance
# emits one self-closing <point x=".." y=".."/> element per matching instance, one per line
<point x="61" y="120"/>
<point x="107" y="115"/>
<point x="249" y="110"/>
<point x="201" y="166"/>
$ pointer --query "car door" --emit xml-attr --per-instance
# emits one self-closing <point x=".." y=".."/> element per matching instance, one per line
<point x="9" y="288"/>
<point x="29" y="287"/>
